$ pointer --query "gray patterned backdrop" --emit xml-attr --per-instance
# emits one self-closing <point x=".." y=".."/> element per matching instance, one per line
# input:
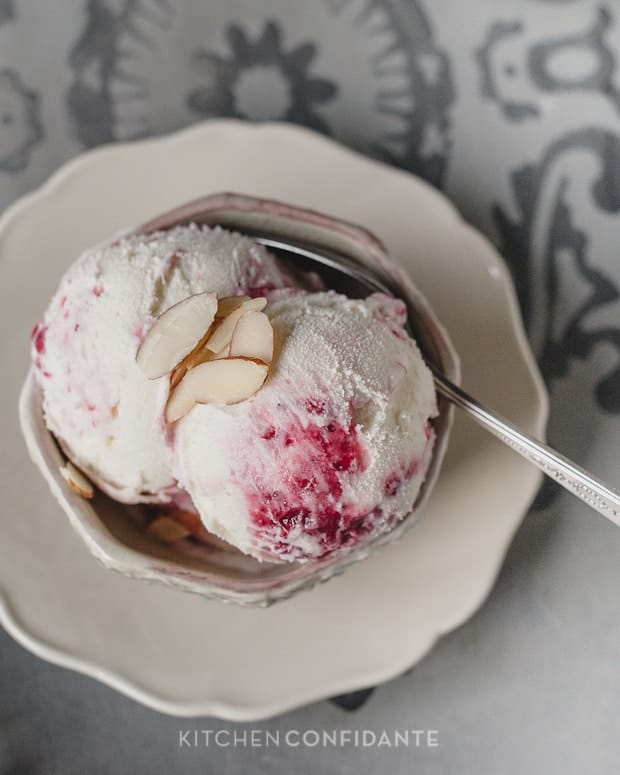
<point x="513" y="110"/>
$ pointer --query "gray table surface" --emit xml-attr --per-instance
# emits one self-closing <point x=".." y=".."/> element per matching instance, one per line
<point x="513" y="110"/>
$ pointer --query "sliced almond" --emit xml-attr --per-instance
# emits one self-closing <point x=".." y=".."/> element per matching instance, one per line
<point x="175" y="334"/>
<point x="225" y="353"/>
<point x="253" y="337"/>
<point x="227" y="304"/>
<point x="227" y="381"/>
<point x="187" y="519"/>
<point x="223" y="382"/>
<point x="223" y="330"/>
<point x="180" y="402"/>
<point x="77" y="481"/>
<point x="197" y="356"/>
<point x="177" y="375"/>
<point x="167" y="530"/>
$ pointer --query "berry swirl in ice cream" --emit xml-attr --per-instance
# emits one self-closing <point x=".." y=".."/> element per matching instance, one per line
<point x="107" y="417"/>
<point x="332" y="449"/>
<point x="181" y="368"/>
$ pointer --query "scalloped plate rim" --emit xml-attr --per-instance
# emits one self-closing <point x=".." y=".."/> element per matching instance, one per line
<point x="222" y="708"/>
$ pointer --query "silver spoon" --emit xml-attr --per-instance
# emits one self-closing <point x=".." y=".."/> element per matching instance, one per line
<point x="555" y="465"/>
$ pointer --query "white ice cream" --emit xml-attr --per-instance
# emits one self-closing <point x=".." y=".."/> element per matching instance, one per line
<point x="330" y="452"/>
<point x="332" y="449"/>
<point x="105" y="413"/>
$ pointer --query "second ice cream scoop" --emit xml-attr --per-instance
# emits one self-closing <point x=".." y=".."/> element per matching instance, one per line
<point x="333" y="450"/>
<point x="572" y="477"/>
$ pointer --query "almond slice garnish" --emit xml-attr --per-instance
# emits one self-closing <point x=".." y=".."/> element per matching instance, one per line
<point x="202" y="352"/>
<point x="77" y="480"/>
<point x="225" y="353"/>
<point x="227" y="304"/>
<point x="253" y="337"/>
<point x="180" y="401"/>
<point x="197" y="356"/>
<point x="167" y="530"/>
<point x="224" y="329"/>
<point x="175" y="333"/>
<point x="222" y="382"/>
<point x="187" y="519"/>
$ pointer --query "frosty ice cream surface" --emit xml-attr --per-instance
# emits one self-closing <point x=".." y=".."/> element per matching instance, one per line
<point x="181" y="369"/>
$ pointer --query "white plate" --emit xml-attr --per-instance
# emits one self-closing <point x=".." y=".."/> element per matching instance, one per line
<point x="176" y="652"/>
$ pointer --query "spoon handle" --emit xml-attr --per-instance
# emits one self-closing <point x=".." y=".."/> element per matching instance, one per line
<point x="571" y="476"/>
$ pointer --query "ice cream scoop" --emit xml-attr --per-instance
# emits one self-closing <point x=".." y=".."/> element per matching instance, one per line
<point x="332" y="450"/>
<point x="217" y="569"/>
<point x="107" y="416"/>
<point x="297" y="424"/>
